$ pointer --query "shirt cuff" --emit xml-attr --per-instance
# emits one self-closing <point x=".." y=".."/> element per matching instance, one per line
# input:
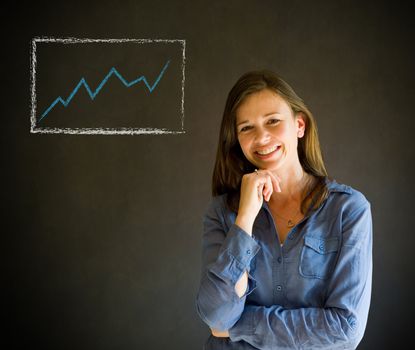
<point x="242" y="247"/>
<point x="235" y="256"/>
<point x="240" y="244"/>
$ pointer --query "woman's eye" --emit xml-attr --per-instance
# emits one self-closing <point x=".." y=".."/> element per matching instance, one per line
<point x="245" y="128"/>
<point x="273" y="121"/>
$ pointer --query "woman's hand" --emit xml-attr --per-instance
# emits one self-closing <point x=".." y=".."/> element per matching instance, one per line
<point x="220" y="334"/>
<point x="255" y="187"/>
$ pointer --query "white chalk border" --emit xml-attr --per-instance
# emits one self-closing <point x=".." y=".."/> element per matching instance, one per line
<point x="98" y="131"/>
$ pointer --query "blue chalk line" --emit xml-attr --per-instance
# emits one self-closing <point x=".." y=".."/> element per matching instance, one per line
<point x="101" y="85"/>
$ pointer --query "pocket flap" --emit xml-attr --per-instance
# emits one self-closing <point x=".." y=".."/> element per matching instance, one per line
<point x="321" y="245"/>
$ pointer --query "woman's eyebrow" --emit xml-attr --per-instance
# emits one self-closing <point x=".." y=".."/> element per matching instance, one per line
<point x="265" y="115"/>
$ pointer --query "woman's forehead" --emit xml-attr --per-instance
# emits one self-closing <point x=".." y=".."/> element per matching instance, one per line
<point x="262" y="103"/>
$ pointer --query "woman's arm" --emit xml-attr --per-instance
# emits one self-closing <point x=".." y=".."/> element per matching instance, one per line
<point x="245" y="224"/>
<point x="227" y="253"/>
<point x="342" y="321"/>
<point x="226" y="258"/>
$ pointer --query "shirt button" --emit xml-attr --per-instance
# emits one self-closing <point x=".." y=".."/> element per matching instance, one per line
<point x="279" y="260"/>
<point x="248" y="252"/>
<point x="279" y="288"/>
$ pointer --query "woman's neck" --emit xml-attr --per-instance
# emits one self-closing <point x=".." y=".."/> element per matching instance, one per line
<point x="293" y="182"/>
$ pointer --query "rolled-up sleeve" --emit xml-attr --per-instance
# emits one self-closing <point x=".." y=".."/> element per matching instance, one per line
<point x="226" y="255"/>
<point x="340" y="324"/>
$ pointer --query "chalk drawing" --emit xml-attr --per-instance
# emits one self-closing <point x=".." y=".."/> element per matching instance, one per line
<point x="35" y="128"/>
<point x="92" y="95"/>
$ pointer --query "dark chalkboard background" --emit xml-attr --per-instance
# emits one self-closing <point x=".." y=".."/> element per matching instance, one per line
<point x="102" y="233"/>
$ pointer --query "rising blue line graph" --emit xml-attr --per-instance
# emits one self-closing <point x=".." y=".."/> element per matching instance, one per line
<point x="92" y="95"/>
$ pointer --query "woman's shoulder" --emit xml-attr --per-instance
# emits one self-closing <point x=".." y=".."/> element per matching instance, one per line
<point x="217" y="208"/>
<point x="346" y="196"/>
<point x="218" y="202"/>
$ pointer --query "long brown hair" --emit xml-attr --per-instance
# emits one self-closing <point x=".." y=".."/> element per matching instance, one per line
<point x="231" y="163"/>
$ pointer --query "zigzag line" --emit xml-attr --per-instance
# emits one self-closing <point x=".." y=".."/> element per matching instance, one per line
<point x="92" y="95"/>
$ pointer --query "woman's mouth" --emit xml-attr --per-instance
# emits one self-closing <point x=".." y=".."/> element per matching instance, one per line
<point x="267" y="152"/>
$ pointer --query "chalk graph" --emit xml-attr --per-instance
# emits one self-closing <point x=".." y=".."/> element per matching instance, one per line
<point x="154" y="89"/>
<point x="113" y="71"/>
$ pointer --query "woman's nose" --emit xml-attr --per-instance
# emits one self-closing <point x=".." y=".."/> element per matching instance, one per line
<point x="262" y="137"/>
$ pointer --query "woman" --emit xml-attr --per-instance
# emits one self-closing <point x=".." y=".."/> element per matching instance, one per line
<point x="287" y="252"/>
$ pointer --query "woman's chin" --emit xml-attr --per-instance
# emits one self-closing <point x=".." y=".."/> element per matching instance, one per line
<point x="271" y="167"/>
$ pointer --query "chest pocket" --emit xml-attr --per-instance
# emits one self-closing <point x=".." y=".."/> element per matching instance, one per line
<point x="318" y="257"/>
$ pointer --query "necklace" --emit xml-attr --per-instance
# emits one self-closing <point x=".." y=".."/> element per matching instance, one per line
<point x="290" y="222"/>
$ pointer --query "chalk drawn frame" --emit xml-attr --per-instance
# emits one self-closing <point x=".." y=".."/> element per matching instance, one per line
<point x="100" y="131"/>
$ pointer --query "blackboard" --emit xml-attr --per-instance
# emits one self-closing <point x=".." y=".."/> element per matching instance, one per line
<point x="104" y="229"/>
<point x="97" y="97"/>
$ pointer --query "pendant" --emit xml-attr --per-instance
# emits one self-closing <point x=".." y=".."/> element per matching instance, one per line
<point x="290" y="224"/>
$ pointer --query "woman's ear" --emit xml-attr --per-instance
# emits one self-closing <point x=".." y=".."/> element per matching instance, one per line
<point x="300" y="124"/>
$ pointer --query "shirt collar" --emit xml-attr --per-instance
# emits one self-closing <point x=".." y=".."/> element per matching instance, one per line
<point x="332" y="185"/>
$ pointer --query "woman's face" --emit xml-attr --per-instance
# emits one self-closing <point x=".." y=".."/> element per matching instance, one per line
<point x="268" y="131"/>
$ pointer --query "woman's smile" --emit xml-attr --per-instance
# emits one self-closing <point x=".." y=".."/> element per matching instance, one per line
<point x="267" y="153"/>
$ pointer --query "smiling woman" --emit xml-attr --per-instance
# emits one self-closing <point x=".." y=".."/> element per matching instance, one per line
<point x="287" y="252"/>
<point x="268" y="132"/>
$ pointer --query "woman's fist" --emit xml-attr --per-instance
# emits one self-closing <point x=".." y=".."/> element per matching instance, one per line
<point x="255" y="187"/>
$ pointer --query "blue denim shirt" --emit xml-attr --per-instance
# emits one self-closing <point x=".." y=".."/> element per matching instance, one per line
<point x="313" y="292"/>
